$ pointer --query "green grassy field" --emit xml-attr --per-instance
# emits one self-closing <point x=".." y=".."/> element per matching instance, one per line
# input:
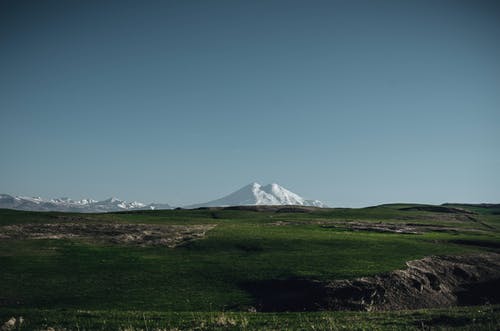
<point x="77" y="284"/>
<point x="460" y="318"/>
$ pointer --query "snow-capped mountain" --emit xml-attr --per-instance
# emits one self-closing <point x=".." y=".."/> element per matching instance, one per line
<point x="256" y="194"/>
<point x="252" y="194"/>
<point x="69" y="205"/>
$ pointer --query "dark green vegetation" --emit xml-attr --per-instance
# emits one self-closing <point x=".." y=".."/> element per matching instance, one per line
<point x="57" y="279"/>
<point x="459" y="318"/>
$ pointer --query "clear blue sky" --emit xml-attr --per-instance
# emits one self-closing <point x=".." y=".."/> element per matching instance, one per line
<point x="350" y="102"/>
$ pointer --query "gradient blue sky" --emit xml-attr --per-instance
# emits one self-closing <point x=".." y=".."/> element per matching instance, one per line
<point x="351" y="102"/>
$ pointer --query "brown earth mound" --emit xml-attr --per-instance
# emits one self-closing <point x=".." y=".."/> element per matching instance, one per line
<point x="133" y="234"/>
<point x="427" y="283"/>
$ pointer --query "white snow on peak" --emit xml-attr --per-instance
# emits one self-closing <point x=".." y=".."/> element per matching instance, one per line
<point x="283" y="196"/>
<point x="251" y="194"/>
<point x="31" y="199"/>
<point x="113" y="200"/>
<point x="256" y="194"/>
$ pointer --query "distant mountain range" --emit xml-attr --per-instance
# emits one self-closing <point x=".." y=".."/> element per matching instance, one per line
<point x="69" y="205"/>
<point x="252" y="194"/>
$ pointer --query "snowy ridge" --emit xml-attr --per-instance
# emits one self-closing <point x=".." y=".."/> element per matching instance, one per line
<point x="252" y="194"/>
<point x="69" y="205"/>
<point x="256" y="194"/>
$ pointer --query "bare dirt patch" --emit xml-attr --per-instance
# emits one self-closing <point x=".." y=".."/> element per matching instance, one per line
<point x="377" y="227"/>
<point x="401" y="228"/>
<point x="130" y="234"/>
<point x="430" y="282"/>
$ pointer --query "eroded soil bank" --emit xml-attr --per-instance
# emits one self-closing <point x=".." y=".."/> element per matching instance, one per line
<point x="430" y="282"/>
<point x="132" y="234"/>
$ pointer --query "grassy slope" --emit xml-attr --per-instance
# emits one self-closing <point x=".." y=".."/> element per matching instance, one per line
<point x="206" y="275"/>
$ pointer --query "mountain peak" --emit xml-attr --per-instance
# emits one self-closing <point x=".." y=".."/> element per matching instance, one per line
<point x="254" y="185"/>
<point x="256" y="194"/>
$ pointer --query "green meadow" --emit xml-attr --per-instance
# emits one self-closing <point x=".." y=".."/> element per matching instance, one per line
<point x="77" y="284"/>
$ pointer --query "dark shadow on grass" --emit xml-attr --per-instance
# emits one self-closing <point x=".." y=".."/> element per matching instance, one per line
<point x="286" y="295"/>
<point x="480" y="243"/>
